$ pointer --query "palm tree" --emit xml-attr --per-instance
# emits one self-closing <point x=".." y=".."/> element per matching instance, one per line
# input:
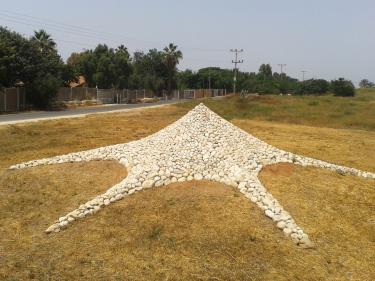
<point x="44" y="40"/>
<point x="172" y="56"/>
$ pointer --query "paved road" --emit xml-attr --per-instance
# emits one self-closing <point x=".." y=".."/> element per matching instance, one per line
<point x="7" y="119"/>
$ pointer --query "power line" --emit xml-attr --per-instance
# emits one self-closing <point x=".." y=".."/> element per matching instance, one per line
<point x="46" y="25"/>
<point x="81" y="30"/>
<point x="212" y="60"/>
<point x="51" y="21"/>
<point x="236" y="61"/>
<point x="59" y="39"/>
<point x="64" y="26"/>
<point x="87" y="45"/>
<point x="303" y="75"/>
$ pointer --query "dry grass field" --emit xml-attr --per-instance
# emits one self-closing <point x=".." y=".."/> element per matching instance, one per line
<point x="319" y="111"/>
<point x="354" y="148"/>
<point x="186" y="231"/>
<point x="55" y="137"/>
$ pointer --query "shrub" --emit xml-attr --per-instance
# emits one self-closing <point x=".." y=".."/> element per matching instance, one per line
<point x="43" y="89"/>
<point x="267" y="87"/>
<point x="342" y="88"/>
<point x="313" y="87"/>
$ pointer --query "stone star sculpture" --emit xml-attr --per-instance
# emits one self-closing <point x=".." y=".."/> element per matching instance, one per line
<point x="200" y="145"/>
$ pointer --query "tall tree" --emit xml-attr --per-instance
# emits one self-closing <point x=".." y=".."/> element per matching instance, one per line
<point x="149" y="71"/>
<point x="122" y="67"/>
<point x="366" y="84"/>
<point x="172" y="56"/>
<point x="42" y="71"/>
<point x="103" y="67"/>
<point x="265" y="70"/>
<point x="44" y="40"/>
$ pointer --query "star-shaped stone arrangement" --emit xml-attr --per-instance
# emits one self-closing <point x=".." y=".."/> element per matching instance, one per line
<point x="200" y="145"/>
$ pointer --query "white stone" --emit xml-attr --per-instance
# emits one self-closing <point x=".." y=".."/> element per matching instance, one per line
<point x="198" y="177"/>
<point x="281" y="224"/>
<point x="242" y="185"/>
<point x="269" y="214"/>
<point x="253" y="199"/>
<point x="181" y="179"/>
<point x="147" y="183"/>
<point x="159" y="183"/>
<point x="287" y="231"/>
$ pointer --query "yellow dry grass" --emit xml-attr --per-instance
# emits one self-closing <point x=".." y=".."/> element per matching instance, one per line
<point x="337" y="212"/>
<point x="30" y="200"/>
<point x="189" y="231"/>
<point x="354" y="148"/>
<point x="29" y="141"/>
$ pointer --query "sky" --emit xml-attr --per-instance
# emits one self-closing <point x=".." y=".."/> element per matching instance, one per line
<point x="326" y="38"/>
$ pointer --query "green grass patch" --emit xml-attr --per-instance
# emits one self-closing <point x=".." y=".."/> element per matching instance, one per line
<point x="313" y="103"/>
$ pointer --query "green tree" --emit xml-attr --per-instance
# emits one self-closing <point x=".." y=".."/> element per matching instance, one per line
<point x="122" y="67"/>
<point x="366" y="84"/>
<point x="172" y="56"/>
<point x="149" y="71"/>
<point x="313" y="87"/>
<point x="44" y="41"/>
<point x="342" y="88"/>
<point x="265" y="71"/>
<point x="220" y="78"/>
<point x="43" y="89"/>
<point x="23" y="59"/>
<point x="18" y="58"/>
<point x="186" y="79"/>
<point x="103" y="67"/>
<point x="249" y="85"/>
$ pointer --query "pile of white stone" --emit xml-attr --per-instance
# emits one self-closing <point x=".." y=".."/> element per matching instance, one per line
<point x="200" y="145"/>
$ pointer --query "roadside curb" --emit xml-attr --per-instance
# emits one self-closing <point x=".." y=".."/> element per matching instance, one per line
<point x="4" y="123"/>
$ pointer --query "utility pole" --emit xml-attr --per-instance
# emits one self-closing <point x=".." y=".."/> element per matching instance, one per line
<point x="236" y="61"/>
<point x="303" y="75"/>
<point x="281" y="69"/>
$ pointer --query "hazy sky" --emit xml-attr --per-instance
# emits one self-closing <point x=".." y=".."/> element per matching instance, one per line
<point x="327" y="38"/>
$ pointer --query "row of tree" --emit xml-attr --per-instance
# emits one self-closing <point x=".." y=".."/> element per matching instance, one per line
<point x="35" y="63"/>
<point x="263" y="82"/>
<point x="106" y="67"/>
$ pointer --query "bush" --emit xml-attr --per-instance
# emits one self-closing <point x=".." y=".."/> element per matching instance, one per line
<point x="43" y="89"/>
<point x="267" y="87"/>
<point x="313" y="87"/>
<point x="342" y="88"/>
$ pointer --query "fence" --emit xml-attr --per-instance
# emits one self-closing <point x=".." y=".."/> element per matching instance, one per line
<point x="12" y="99"/>
<point x="194" y="94"/>
<point x="102" y="95"/>
<point x="76" y="94"/>
<point x="128" y="96"/>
